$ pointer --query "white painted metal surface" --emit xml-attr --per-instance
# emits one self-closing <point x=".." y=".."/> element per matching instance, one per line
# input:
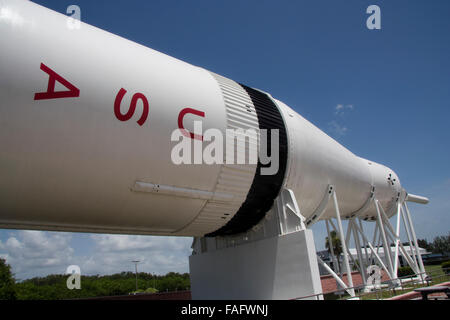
<point x="279" y="267"/>
<point x="418" y="199"/>
<point x="68" y="163"/>
<point x="317" y="161"/>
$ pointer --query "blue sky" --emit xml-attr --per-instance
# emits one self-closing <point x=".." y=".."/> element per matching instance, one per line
<point x="384" y="94"/>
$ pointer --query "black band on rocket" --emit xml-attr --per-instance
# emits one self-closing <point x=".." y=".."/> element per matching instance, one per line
<point x="264" y="188"/>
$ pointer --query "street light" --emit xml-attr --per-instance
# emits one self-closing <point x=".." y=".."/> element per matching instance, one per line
<point x="135" y="266"/>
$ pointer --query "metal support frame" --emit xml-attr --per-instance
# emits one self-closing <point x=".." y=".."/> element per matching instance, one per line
<point x="416" y="245"/>
<point x="330" y="245"/>
<point x="351" y="291"/>
<point x="320" y="210"/>
<point x="362" y="264"/>
<point x="279" y="247"/>
<point x="290" y="218"/>
<point x="368" y="252"/>
<point x="335" y="276"/>
<point x="386" y="244"/>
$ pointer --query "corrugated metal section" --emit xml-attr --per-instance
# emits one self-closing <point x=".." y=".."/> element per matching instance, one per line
<point x="265" y="187"/>
<point x="235" y="179"/>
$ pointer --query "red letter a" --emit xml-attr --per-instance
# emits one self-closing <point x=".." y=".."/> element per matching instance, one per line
<point x="51" y="93"/>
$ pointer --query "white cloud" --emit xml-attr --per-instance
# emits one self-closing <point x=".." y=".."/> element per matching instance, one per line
<point x="114" y="253"/>
<point x="341" y="108"/>
<point x="336" y="126"/>
<point x="337" y="129"/>
<point x="32" y="253"/>
<point x="39" y="253"/>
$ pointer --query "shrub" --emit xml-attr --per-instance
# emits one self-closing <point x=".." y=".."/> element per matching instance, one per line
<point x="446" y="267"/>
<point x="404" y="271"/>
<point x="151" y="290"/>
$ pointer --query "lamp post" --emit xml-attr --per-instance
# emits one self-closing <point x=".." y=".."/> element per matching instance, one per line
<point x="135" y="267"/>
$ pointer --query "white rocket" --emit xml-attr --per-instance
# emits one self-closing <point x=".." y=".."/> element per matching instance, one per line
<point x="86" y="119"/>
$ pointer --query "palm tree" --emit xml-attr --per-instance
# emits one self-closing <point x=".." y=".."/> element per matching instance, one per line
<point x="337" y="246"/>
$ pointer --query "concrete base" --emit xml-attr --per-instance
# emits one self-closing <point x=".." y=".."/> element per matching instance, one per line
<point x="281" y="267"/>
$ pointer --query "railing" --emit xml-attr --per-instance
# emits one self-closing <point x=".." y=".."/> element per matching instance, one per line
<point x="388" y="288"/>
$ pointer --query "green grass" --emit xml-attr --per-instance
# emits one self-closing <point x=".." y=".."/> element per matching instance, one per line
<point x="435" y="271"/>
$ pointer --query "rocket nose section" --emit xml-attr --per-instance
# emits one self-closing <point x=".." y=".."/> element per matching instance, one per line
<point x="388" y="189"/>
<point x="393" y="179"/>
<point x="394" y="182"/>
<point x="383" y="177"/>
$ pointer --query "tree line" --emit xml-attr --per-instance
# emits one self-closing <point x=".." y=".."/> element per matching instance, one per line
<point x="54" y="287"/>
<point x="440" y="244"/>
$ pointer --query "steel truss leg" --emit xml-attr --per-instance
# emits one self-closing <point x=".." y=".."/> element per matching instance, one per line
<point x="335" y="276"/>
<point x="408" y="233"/>
<point x="367" y="261"/>
<point x="347" y="239"/>
<point x="385" y="234"/>
<point x="362" y="265"/>
<point x="416" y="245"/>
<point x="397" y="241"/>
<point x="344" y="246"/>
<point x="330" y="245"/>
<point x="386" y="244"/>
<point x="332" y="272"/>
<point x="373" y="251"/>
<point x="396" y="237"/>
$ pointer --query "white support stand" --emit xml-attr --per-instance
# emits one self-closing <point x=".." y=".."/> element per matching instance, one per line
<point x="344" y="242"/>
<point x="274" y="260"/>
<point x="386" y="235"/>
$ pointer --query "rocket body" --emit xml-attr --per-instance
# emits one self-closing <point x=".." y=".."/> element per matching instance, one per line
<point x="86" y="119"/>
